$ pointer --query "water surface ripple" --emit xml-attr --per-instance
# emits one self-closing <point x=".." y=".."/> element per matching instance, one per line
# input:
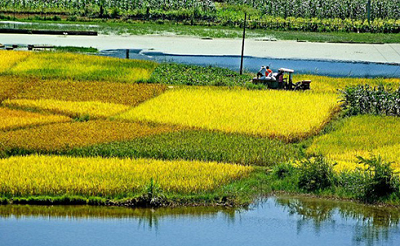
<point x="273" y="221"/>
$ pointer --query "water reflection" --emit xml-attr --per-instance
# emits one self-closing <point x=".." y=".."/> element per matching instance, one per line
<point x="278" y="221"/>
<point x="372" y="223"/>
<point x="145" y="216"/>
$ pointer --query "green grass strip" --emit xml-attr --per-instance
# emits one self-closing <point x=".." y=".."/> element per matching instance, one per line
<point x="198" y="145"/>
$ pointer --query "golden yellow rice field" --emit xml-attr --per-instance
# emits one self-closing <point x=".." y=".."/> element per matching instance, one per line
<point x="361" y="136"/>
<point x="9" y="58"/>
<point x="74" y="109"/>
<point x="281" y="114"/>
<point x="106" y="92"/>
<point x="12" y="119"/>
<point x="10" y="86"/>
<point x="77" y="134"/>
<point x="326" y="84"/>
<point x="83" y="67"/>
<point x="53" y="175"/>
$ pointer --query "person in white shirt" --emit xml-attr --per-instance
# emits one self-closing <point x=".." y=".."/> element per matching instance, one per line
<point x="261" y="73"/>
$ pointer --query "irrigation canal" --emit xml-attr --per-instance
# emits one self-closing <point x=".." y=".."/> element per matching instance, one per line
<point x="317" y="67"/>
<point x="273" y="221"/>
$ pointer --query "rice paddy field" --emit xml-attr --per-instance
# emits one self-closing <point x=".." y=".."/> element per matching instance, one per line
<point x="78" y="67"/>
<point x="364" y="136"/>
<point x="52" y="175"/>
<point x="14" y="119"/>
<point x="271" y="114"/>
<point x="64" y="136"/>
<point x="8" y="60"/>
<point x="102" y="128"/>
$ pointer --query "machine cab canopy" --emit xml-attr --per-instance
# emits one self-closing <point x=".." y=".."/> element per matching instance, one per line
<point x="286" y="70"/>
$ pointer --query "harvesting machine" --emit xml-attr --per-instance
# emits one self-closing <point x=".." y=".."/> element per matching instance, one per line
<point x="283" y="79"/>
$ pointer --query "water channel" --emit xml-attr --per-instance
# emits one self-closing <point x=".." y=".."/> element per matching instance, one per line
<point x="272" y="221"/>
<point x="303" y="66"/>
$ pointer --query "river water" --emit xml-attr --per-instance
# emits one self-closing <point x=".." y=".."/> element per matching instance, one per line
<point x="303" y="66"/>
<point x="272" y="221"/>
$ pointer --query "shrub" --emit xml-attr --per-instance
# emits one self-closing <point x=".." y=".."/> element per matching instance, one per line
<point x="283" y="170"/>
<point x="315" y="174"/>
<point x="376" y="179"/>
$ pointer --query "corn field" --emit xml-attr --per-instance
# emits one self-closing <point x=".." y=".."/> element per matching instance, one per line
<point x="354" y="9"/>
<point x="122" y="5"/>
<point x="367" y="100"/>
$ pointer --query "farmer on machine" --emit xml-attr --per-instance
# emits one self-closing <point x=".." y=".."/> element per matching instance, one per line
<point x="268" y="72"/>
<point x="264" y="72"/>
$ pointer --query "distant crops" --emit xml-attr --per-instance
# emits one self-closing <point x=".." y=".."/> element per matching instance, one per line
<point x="356" y="9"/>
<point x="46" y="175"/>
<point x="324" y="25"/>
<point x="92" y="109"/>
<point x="57" y="137"/>
<point x="12" y="119"/>
<point x="299" y="15"/>
<point x="278" y="114"/>
<point x="88" y="5"/>
<point x="83" y="67"/>
<point x="360" y="136"/>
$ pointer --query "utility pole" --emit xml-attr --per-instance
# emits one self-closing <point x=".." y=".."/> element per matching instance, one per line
<point x="244" y="36"/>
<point x="14" y="14"/>
<point x="127" y="54"/>
<point x="369" y="12"/>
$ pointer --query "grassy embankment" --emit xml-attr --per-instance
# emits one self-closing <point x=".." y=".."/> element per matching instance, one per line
<point x="195" y="124"/>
